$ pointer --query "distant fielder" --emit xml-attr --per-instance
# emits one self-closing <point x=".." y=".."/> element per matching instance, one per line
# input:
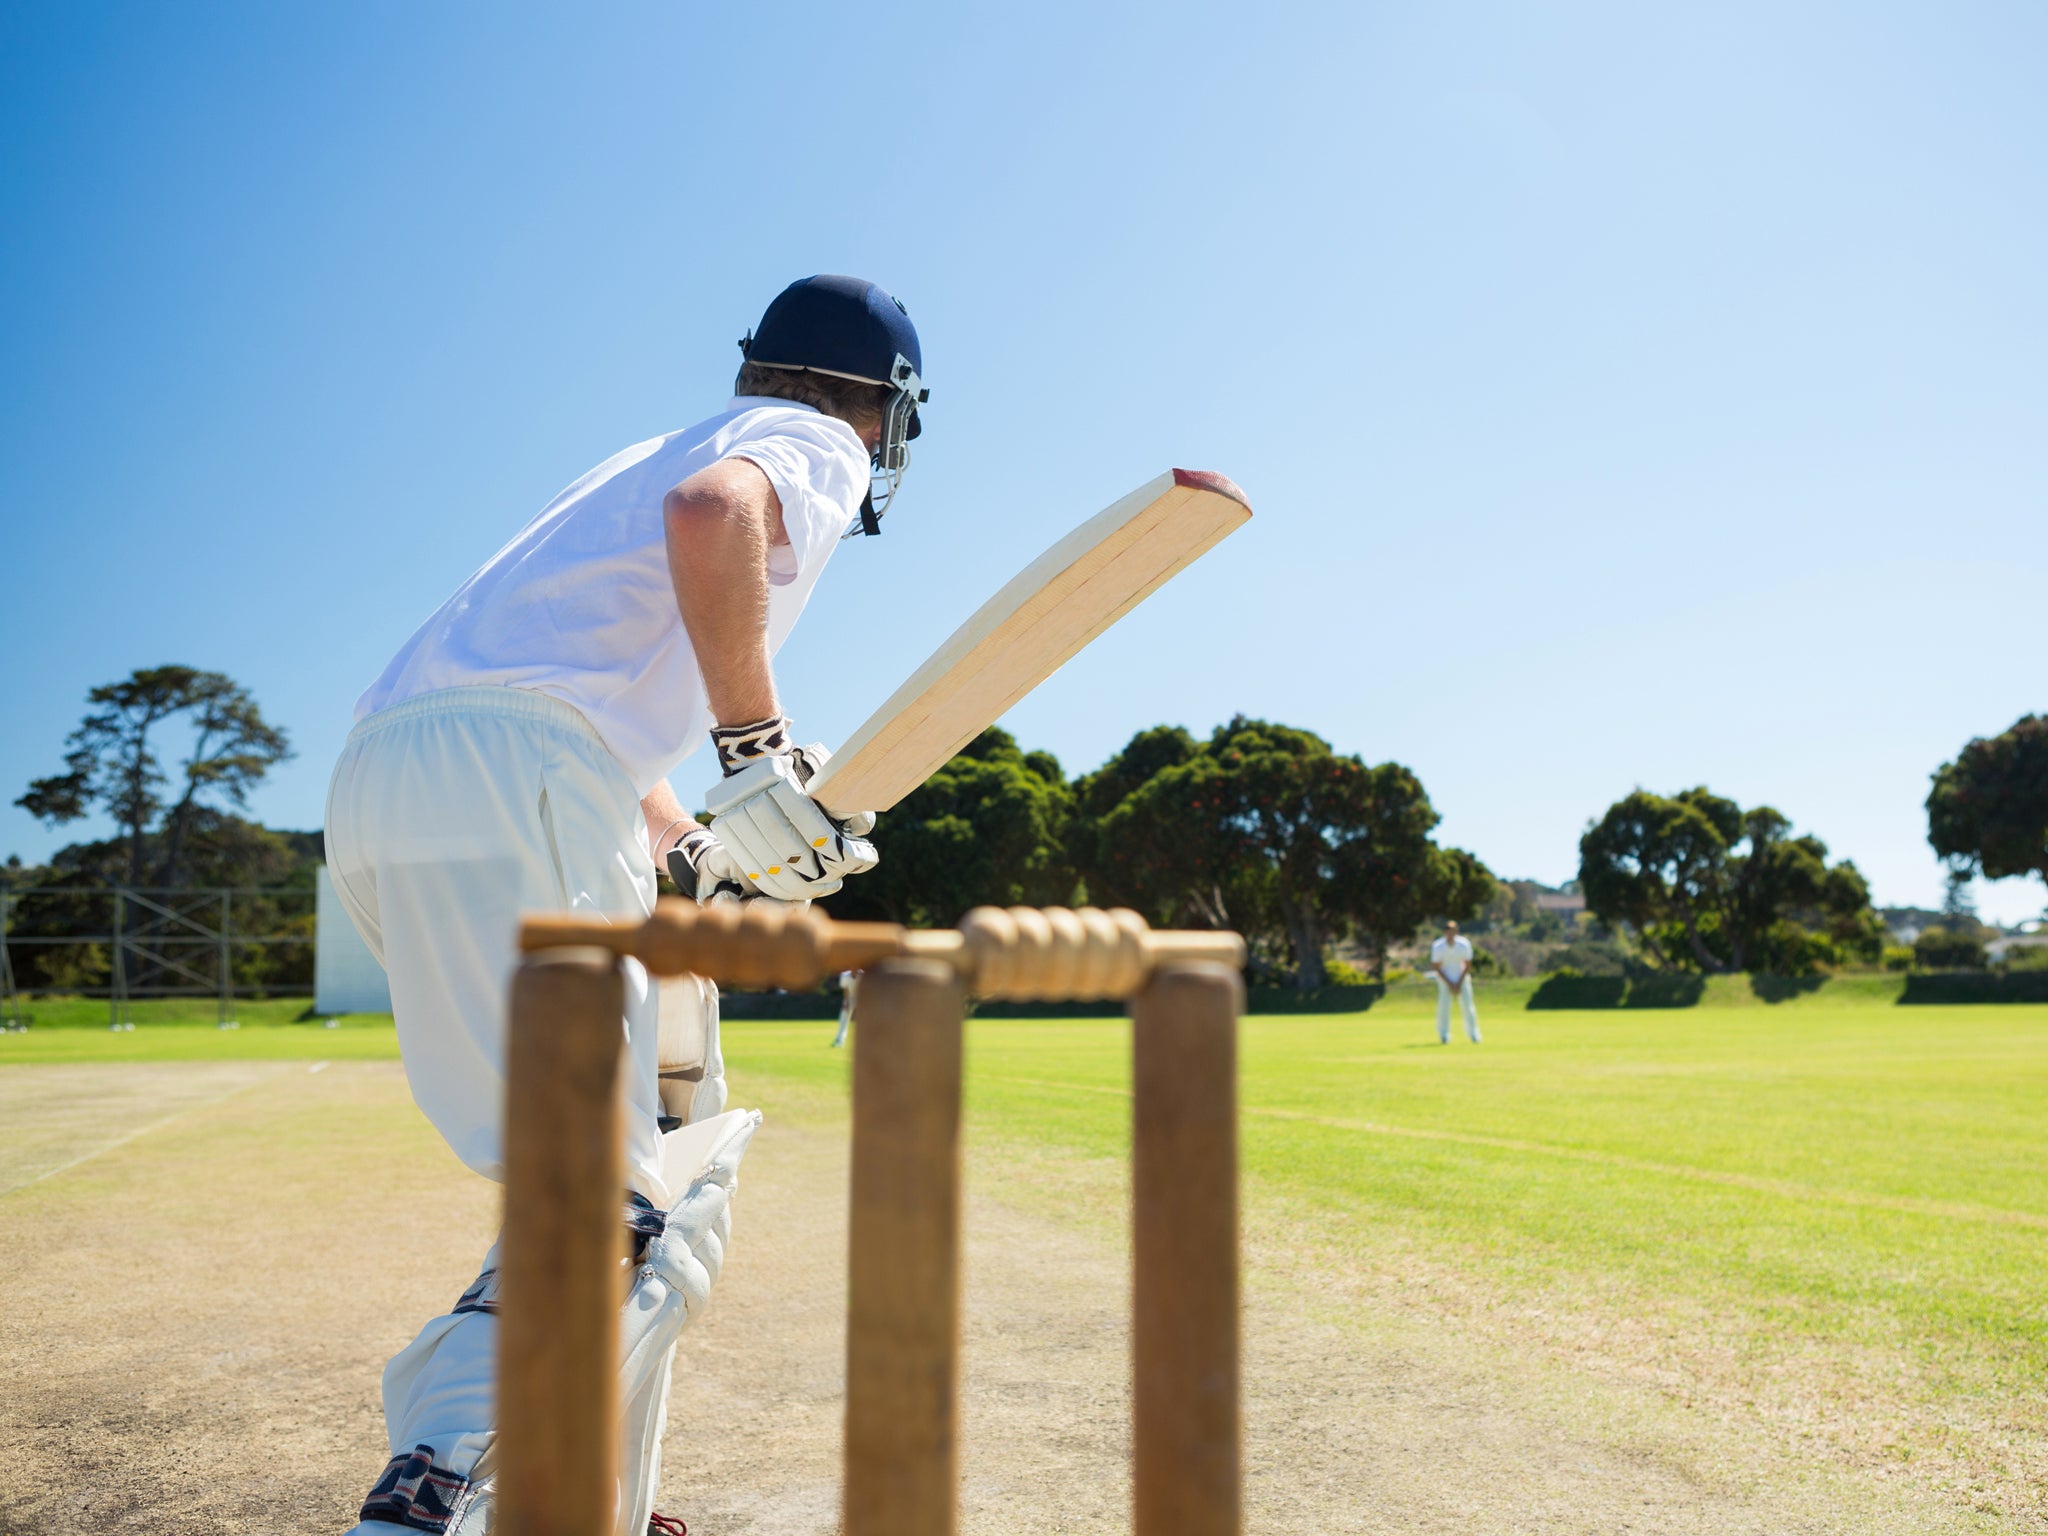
<point x="514" y="756"/>
<point x="1451" y="958"/>
<point x="849" y="982"/>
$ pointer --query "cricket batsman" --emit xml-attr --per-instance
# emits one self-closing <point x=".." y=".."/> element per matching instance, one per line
<point x="514" y="756"/>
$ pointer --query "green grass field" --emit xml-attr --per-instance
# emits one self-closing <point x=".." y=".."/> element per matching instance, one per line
<point x="183" y="1029"/>
<point x="1831" y="1212"/>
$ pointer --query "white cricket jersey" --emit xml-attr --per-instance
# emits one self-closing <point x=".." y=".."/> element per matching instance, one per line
<point x="1454" y="957"/>
<point x="580" y="606"/>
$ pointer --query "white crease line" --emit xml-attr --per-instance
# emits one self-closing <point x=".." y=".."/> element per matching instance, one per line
<point x="123" y="1141"/>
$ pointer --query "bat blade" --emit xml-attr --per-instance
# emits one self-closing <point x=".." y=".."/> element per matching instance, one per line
<point x="1028" y="631"/>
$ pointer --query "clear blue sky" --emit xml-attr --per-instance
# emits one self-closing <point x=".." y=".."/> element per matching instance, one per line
<point x="1627" y="396"/>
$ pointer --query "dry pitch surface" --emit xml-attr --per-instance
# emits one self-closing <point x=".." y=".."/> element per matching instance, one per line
<point x="206" y="1263"/>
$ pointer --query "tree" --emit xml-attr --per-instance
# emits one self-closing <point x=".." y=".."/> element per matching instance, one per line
<point x="1459" y="889"/>
<point x="220" y="850"/>
<point x="1243" y="834"/>
<point x="1948" y="949"/>
<point x="1646" y="865"/>
<point x="1097" y="794"/>
<point x="985" y="829"/>
<point x="1265" y="829"/>
<point x="1988" y="810"/>
<point x="1958" y="908"/>
<point x="1391" y="878"/>
<point x="1166" y="841"/>
<point x="114" y="761"/>
<point x="1708" y="886"/>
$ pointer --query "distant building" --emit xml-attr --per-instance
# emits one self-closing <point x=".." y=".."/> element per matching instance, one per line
<point x="1902" y="925"/>
<point x="1566" y="906"/>
<point x="1999" y="950"/>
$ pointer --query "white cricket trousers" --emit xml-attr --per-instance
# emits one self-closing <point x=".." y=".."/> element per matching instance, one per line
<point x="448" y="816"/>
<point x="1465" y="1001"/>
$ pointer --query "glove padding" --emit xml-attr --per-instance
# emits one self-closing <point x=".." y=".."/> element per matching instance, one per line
<point x="703" y="867"/>
<point x="788" y="847"/>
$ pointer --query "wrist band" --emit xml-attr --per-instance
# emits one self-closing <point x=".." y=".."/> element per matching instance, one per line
<point x="737" y="745"/>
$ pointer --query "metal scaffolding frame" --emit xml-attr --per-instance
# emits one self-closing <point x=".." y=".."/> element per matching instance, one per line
<point x="197" y="922"/>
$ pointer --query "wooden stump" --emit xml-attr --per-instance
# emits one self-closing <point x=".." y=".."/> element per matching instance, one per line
<point x="564" y="1242"/>
<point x="1184" y="1324"/>
<point x="903" y="1323"/>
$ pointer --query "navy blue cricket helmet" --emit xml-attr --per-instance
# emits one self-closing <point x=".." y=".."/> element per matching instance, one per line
<point x="850" y="328"/>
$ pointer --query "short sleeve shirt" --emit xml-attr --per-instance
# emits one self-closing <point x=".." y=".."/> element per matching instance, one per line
<point x="581" y="605"/>
<point x="1455" y="956"/>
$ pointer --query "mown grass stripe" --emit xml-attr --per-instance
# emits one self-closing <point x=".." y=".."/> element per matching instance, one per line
<point x="1782" y="1188"/>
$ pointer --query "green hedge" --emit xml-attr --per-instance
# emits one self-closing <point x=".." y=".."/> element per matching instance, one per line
<point x="1331" y="999"/>
<point x="825" y="1005"/>
<point x="1976" y="987"/>
<point x="1580" y="992"/>
<point x="778" y="1005"/>
<point x="1658" y="989"/>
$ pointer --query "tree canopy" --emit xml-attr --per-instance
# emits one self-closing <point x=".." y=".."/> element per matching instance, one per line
<point x="1988" y="810"/>
<point x="220" y="850"/>
<point x="985" y="829"/>
<point x="1262" y="828"/>
<point x="1708" y="886"/>
<point x="169" y="753"/>
<point x="115" y="763"/>
<point x="1265" y="829"/>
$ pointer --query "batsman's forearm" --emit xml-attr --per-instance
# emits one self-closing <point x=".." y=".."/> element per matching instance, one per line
<point x="718" y="562"/>
<point x="662" y="811"/>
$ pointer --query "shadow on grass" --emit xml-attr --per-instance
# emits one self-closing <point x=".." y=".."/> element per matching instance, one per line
<point x="1665" y="990"/>
<point x="1651" y="990"/>
<point x="1782" y="989"/>
<point x="1577" y="992"/>
<point x="1682" y="989"/>
<point x="1330" y="999"/>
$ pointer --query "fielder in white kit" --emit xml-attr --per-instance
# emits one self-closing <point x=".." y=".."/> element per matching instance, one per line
<point x="1450" y="957"/>
<point x="514" y="757"/>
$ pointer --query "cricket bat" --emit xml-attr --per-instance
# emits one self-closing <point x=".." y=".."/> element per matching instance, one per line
<point x="1028" y="631"/>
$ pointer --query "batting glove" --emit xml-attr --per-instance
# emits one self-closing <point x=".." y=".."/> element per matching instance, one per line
<point x="703" y="867"/>
<point x="786" y="844"/>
